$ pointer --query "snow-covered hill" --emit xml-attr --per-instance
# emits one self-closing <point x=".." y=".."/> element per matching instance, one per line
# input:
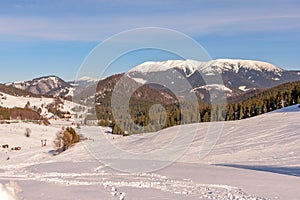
<point x="41" y="104"/>
<point x="268" y="143"/>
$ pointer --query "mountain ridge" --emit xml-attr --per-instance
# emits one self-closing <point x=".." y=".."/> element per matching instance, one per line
<point x="193" y="65"/>
<point x="238" y="76"/>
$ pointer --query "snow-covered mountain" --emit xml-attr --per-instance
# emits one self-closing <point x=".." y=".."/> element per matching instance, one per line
<point x="238" y="76"/>
<point x="49" y="95"/>
<point x="87" y="80"/>
<point x="54" y="86"/>
<point x="83" y="83"/>
<point x="47" y="85"/>
<point x="220" y="66"/>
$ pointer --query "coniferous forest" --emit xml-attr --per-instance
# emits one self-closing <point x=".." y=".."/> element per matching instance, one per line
<point x="250" y="105"/>
<point x="253" y="104"/>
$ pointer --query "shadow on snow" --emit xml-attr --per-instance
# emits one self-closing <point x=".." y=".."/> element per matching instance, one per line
<point x="293" y="171"/>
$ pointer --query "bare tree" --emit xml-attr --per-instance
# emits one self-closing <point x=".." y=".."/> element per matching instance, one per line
<point x="58" y="141"/>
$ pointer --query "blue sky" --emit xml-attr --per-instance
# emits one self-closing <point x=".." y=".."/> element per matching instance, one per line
<point x="43" y="37"/>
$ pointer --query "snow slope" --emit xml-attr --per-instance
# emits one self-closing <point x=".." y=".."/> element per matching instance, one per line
<point x="214" y="87"/>
<point x="10" y="101"/>
<point x="9" y="191"/>
<point x="271" y="141"/>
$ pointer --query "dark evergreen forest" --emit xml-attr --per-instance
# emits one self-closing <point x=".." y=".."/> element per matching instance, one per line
<point x="249" y="105"/>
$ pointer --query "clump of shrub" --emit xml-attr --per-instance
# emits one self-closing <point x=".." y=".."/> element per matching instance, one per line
<point x="65" y="138"/>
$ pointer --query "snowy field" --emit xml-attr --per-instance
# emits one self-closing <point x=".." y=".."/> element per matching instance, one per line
<point x="256" y="158"/>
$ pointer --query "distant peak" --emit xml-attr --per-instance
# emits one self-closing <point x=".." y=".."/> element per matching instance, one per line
<point x="87" y="78"/>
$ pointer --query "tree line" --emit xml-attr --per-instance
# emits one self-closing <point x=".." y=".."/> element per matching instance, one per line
<point x="253" y="104"/>
<point x="18" y="114"/>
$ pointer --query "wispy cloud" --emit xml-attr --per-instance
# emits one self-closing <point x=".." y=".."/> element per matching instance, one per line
<point x="95" y="29"/>
<point x="95" y="25"/>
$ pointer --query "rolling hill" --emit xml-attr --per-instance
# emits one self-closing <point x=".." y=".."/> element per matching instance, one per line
<point x="254" y="159"/>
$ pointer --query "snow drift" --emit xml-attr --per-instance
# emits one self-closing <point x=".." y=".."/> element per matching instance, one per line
<point x="9" y="191"/>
